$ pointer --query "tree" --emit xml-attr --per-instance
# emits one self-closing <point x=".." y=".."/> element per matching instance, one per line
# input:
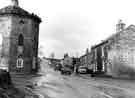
<point x="66" y="55"/>
<point x="52" y="55"/>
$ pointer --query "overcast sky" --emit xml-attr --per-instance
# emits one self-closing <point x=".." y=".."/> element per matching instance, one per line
<point x="74" y="25"/>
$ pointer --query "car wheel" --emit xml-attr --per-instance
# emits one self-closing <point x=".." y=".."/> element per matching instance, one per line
<point x="92" y="75"/>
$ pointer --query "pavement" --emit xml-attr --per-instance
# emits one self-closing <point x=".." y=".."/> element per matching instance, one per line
<point x="25" y="84"/>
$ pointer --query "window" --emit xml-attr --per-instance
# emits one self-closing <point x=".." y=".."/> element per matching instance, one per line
<point x="21" y="22"/>
<point x="20" y="40"/>
<point x="19" y="63"/>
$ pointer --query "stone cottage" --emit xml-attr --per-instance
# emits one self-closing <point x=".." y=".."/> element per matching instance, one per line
<point x="85" y="60"/>
<point x="20" y="33"/>
<point x="116" y="55"/>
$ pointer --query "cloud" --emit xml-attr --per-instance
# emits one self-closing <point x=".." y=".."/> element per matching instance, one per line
<point x="74" y="25"/>
<point x="66" y="34"/>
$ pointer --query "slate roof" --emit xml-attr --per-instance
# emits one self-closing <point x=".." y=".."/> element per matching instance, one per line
<point x="16" y="10"/>
<point x="131" y="27"/>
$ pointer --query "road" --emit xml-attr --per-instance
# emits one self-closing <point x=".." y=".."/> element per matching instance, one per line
<point x="54" y="85"/>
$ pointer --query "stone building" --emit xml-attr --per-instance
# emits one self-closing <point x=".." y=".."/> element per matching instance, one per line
<point x="85" y="60"/>
<point x="115" y="55"/>
<point x="20" y="33"/>
<point x="99" y="57"/>
<point x="52" y="61"/>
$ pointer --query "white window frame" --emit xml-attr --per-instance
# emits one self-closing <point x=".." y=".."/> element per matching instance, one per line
<point x="19" y="60"/>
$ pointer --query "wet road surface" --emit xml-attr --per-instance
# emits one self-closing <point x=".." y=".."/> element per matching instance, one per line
<point x="54" y="85"/>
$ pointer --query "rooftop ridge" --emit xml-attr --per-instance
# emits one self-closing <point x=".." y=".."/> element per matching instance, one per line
<point x="16" y="10"/>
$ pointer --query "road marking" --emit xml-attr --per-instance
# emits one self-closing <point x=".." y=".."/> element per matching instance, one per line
<point x="106" y="95"/>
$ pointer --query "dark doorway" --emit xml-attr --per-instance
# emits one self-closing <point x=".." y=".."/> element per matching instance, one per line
<point x="20" y="40"/>
<point x="99" y="59"/>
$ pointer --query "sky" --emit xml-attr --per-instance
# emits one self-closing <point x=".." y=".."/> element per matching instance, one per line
<point x="71" y="26"/>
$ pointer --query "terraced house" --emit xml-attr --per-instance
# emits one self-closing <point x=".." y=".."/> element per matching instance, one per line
<point x="116" y="55"/>
<point x="85" y="60"/>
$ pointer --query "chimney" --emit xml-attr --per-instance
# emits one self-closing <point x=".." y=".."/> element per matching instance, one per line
<point x="120" y="26"/>
<point x="14" y="2"/>
<point x="87" y="51"/>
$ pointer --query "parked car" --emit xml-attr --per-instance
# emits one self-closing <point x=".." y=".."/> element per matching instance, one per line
<point x="83" y="70"/>
<point x="66" y="71"/>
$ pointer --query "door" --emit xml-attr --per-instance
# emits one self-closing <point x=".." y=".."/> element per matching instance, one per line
<point x="99" y="59"/>
<point x="19" y="63"/>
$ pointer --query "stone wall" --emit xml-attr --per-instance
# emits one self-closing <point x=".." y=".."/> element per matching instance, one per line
<point x="11" y="27"/>
<point x="121" y="58"/>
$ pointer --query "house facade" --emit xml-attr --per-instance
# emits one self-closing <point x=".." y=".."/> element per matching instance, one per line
<point x="20" y="32"/>
<point x="53" y="61"/>
<point x="116" y="55"/>
<point x="99" y="57"/>
<point x="86" y="59"/>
